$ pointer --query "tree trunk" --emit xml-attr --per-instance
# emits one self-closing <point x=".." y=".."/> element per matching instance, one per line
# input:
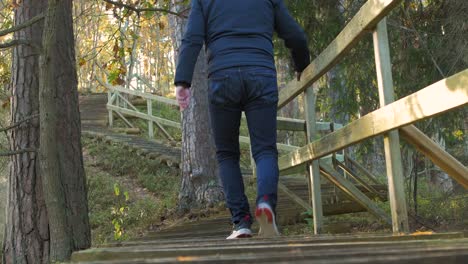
<point x="26" y="238"/>
<point x="61" y="157"/>
<point x="200" y="183"/>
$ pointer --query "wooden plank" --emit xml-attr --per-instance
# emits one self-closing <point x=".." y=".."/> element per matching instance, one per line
<point x="315" y="192"/>
<point x="125" y="120"/>
<point x="394" y="165"/>
<point x="434" y="152"/>
<point x="280" y="146"/>
<point x="363" y="170"/>
<point x="415" y="107"/>
<point x="302" y="168"/>
<point x="294" y="197"/>
<point x="149" y="107"/>
<point x="140" y="94"/>
<point x="162" y="121"/>
<point x="336" y="238"/>
<point x="353" y="192"/>
<point x="358" y="179"/>
<point x="111" y="115"/>
<point x="165" y="133"/>
<point x="290" y="124"/>
<point x="112" y="98"/>
<point x="127" y="103"/>
<point x="367" y="18"/>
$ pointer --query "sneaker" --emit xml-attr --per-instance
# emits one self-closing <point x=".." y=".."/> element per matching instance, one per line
<point x="266" y="218"/>
<point x="241" y="229"/>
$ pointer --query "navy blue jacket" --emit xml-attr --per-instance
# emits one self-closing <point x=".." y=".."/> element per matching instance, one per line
<point x="238" y="33"/>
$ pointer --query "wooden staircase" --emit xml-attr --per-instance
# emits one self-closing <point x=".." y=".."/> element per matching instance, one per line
<point x="203" y="241"/>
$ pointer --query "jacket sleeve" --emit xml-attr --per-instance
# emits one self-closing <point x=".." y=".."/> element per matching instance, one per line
<point x="192" y="43"/>
<point x="293" y="36"/>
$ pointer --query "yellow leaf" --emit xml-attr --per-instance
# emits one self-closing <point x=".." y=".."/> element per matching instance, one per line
<point x="422" y="233"/>
<point x="81" y="62"/>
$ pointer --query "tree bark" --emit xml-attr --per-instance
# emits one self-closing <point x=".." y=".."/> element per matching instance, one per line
<point x="200" y="183"/>
<point x="26" y="238"/>
<point x="61" y="157"/>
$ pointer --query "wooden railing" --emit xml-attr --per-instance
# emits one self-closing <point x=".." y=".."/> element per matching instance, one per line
<point x="392" y="119"/>
<point x="119" y="104"/>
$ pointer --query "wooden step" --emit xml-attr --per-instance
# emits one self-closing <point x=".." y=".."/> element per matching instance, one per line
<point x="281" y="250"/>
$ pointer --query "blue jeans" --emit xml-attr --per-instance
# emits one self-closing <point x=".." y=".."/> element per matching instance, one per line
<point x="253" y="90"/>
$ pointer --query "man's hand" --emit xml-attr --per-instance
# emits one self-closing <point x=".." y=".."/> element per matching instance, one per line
<point x="298" y="75"/>
<point x="183" y="97"/>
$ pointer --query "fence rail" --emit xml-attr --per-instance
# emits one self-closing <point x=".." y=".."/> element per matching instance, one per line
<point x="393" y="117"/>
<point x="448" y="94"/>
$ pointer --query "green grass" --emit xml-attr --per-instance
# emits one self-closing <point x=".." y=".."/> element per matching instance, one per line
<point x="127" y="194"/>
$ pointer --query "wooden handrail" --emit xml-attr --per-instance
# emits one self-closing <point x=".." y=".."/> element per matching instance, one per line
<point x="417" y="106"/>
<point x="121" y="89"/>
<point x="366" y="19"/>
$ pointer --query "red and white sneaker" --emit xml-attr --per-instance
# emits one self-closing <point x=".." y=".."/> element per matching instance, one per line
<point x="266" y="218"/>
<point x="242" y="229"/>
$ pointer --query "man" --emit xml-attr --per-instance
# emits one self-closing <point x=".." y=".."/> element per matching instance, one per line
<point x="242" y="77"/>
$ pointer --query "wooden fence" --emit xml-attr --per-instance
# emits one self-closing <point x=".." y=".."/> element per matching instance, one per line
<point x="393" y="119"/>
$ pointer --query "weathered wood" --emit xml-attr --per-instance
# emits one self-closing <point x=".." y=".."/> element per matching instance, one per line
<point x="302" y="168"/>
<point x="110" y="101"/>
<point x="434" y="152"/>
<point x="290" y="124"/>
<point x="363" y="170"/>
<point x="280" y="146"/>
<point x="367" y="18"/>
<point x="137" y="93"/>
<point x="358" y="179"/>
<point x="126" y="102"/>
<point x="128" y="123"/>
<point x="152" y="240"/>
<point x="315" y="195"/>
<point x="294" y="197"/>
<point x="353" y="192"/>
<point x="149" y="106"/>
<point x="305" y="251"/>
<point x="415" y="107"/>
<point x="144" y="116"/>
<point x="165" y="133"/>
<point x="391" y="139"/>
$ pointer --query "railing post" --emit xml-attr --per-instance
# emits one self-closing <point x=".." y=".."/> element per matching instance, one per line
<point x="313" y="168"/>
<point x="149" y="104"/>
<point x="111" y="115"/>
<point x="391" y="139"/>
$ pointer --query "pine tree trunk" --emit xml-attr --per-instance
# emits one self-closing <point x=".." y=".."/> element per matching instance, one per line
<point x="26" y="238"/>
<point x="61" y="158"/>
<point x="200" y="183"/>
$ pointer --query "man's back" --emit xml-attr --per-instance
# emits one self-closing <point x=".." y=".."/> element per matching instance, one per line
<point x="239" y="33"/>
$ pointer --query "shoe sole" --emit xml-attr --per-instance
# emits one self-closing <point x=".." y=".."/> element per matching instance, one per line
<point x="247" y="234"/>
<point x="267" y="223"/>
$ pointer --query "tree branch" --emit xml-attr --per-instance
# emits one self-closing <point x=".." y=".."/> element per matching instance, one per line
<point x="139" y="10"/>
<point x="17" y="124"/>
<point x="23" y="25"/>
<point x="16" y="152"/>
<point x="15" y="43"/>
